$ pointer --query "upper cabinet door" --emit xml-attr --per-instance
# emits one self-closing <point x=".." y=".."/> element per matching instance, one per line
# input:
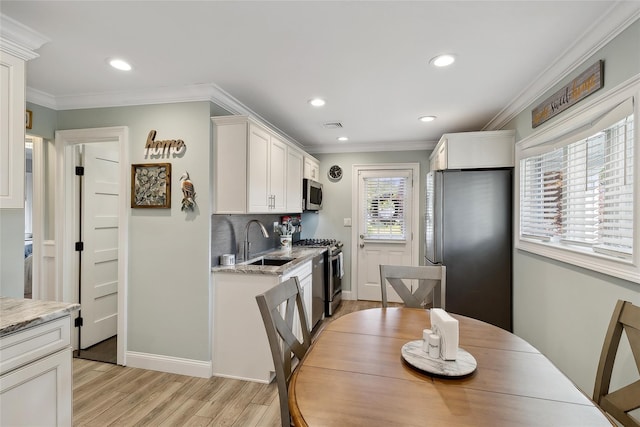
<point x="12" y="131"/>
<point x="259" y="145"/>
<point x="294" y="181"/>
<point x="311" y="168"/>
<point x="278" y="175"/>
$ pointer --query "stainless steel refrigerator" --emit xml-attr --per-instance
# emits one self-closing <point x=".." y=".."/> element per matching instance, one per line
<point x="468" y="226"/>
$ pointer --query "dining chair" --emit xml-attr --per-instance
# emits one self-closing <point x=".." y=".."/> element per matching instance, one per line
<point x="626" y="317"/>
<point x="430" y="278"/>
<point x="277" y="307"/>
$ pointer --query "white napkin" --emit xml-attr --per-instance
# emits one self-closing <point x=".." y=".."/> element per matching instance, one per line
<point x="340" y="265"/>
<point x="447" y="327"/>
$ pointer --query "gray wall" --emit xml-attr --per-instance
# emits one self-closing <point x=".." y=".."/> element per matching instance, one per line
<point x="337" y="198"/>
<point x="169" y="275"/>
<point x="561" y="309"/>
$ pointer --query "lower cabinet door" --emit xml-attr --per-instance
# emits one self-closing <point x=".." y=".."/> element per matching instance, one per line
<point x="38" y="394"/>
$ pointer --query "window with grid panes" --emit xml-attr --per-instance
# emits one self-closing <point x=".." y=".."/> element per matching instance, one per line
<point x="577" y="191"/>
<point x="385" y="207"/>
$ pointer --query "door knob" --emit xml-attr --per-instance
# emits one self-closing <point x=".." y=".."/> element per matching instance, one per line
<point x="362" y="236"/>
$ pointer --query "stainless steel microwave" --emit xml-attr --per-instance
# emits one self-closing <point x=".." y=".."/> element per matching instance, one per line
<point x="311" y="195"/>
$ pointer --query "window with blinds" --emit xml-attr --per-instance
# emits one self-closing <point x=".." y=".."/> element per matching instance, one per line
<point x="385" y="201"/>
<point x="578" y="191"/>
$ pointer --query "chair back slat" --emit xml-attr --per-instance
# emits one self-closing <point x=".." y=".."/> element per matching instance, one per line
<point x="278" y="306"/>
<point x="618" y="403"/>
<point x="430" y="279"/>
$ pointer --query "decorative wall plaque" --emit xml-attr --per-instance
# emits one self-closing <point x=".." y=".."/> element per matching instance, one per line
<point x="591" y="80"/>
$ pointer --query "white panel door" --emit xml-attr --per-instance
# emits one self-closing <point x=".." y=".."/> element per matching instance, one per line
<point x="99" y="266"/>
<point x="385" y="227"/>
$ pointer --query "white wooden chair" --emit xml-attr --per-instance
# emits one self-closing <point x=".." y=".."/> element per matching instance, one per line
<point x="626" y="317"/>
<point x="277" y="307"/>
<point x="431" y="280"/>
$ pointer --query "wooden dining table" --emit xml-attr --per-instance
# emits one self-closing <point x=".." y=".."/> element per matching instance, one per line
<point x="354" y="375"/>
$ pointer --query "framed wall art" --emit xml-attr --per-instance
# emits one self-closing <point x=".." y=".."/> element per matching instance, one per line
<point x="151" y="185"/>
<point x="28" y="119"/>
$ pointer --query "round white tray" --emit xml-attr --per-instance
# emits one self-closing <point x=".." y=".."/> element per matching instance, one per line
<point x="464" y="364"/>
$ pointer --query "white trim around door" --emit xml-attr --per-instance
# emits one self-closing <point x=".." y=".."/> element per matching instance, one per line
<point x="65" y="205"/>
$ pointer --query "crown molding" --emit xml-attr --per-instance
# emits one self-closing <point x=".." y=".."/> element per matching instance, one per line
<point x="620" y="16"/>
<point x="371" y="147"/>
<point x="19" y="40"/>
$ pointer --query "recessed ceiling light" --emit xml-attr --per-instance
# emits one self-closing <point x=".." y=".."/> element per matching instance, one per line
<point x="317" y="102"/>
<point x="427" y="118"/>
<point x="443" y="60"/>
<point x="343" y="138"/>
<point x="120" y="64"/>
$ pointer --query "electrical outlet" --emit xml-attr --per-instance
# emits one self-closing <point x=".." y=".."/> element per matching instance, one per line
<point x="347" y="222"/>
<point x="275" y="226"/>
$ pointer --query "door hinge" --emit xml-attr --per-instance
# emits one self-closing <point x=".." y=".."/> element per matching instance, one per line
<point x="80" y="170"/>
<point x="78" y="321"/>
<point x="79" y="246"/>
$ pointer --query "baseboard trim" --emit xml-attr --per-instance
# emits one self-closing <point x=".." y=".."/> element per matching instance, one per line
<point x="235" y="377"/>
<point x="172" y="365"/>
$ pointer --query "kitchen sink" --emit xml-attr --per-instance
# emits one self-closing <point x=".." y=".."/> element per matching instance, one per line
<point x="271" y="261"/>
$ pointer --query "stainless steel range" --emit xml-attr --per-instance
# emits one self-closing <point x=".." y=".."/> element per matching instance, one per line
<point x="334" y="271"/>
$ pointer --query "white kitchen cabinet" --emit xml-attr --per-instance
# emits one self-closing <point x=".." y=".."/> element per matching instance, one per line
<point x="294" y="180"/>
<point x="254" y="170"/>
<point x="36" y="369"/>
<point x="12" y="130"/>
<point x="304" y="277"/>
<point x="472" y="150"/>
<point x="311" y="168"/>
<point x="240" y="345"/>
<point x="266" y="172"/>
<point x="229" y="165"/>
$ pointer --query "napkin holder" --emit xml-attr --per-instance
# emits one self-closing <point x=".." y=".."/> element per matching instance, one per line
<point x="447" y="327"/>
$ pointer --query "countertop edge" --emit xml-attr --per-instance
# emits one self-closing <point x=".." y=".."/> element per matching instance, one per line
<point x="301" y="256"/>
<point x="19" y="314"/>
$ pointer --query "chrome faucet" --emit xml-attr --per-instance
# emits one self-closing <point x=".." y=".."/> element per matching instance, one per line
<point x="246" y="236"/>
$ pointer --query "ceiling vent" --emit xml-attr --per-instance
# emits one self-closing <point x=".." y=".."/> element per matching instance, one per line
<point x="333" y="125"/>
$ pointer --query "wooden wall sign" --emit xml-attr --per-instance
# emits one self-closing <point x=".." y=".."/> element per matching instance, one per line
<point x="163" y="148"/>
<point x="591" y="80"/>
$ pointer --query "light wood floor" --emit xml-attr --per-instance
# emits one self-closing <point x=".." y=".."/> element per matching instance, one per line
<point x="106" y="394"/>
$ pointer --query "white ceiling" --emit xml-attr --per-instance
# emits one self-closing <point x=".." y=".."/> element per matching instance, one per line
<point x="369" y="60"/>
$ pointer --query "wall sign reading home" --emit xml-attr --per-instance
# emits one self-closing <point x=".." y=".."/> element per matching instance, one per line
<point x="163" y="148"/>
<point x="591" y="80"/>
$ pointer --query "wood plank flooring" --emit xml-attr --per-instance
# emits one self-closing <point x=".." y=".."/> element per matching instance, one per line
<point x="111" y="395"/>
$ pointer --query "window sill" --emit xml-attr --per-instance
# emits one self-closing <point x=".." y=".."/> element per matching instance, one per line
<point x="616" y="267"/>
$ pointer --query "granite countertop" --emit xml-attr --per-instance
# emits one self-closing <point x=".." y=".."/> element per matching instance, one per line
<point x="300" y="255"/>
<point x="18" y="314"/>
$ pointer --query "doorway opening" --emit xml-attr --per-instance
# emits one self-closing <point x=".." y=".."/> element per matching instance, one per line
<point x="91" y="222"/>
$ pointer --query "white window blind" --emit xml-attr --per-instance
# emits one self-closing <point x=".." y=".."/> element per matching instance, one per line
<point x="385" y="201"/>
<point x="578" y="190"/>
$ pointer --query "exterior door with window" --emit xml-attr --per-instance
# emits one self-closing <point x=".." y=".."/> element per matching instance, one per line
<point x="385" y="227"/>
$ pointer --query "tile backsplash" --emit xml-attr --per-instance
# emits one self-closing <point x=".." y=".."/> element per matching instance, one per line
<point x="227" y="235"/>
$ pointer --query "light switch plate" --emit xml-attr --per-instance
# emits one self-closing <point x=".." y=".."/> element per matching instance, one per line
<point x="347" y="222"/>
<point x="275" y="226"/>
